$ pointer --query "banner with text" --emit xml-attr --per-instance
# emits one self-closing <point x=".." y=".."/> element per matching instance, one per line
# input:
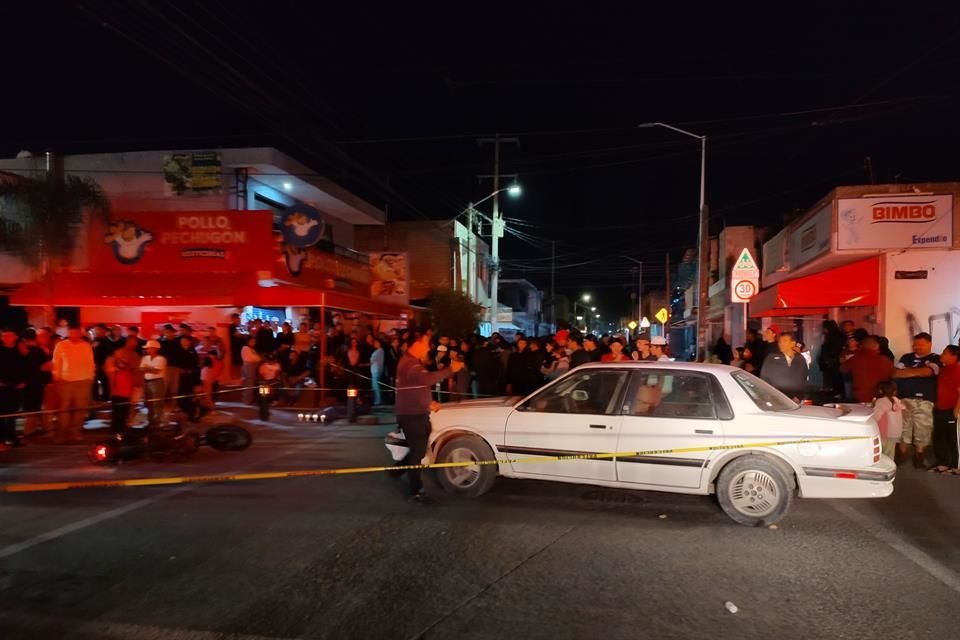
<point x="180" y="241"/>
<point x="895" y="222"/>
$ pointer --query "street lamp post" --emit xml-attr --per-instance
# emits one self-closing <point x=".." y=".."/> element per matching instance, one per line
<point x="703" y="240"/>
<point x="498" y="226"/>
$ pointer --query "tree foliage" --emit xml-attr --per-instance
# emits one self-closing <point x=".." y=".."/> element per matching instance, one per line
<point x="453" y="312"/>
<point x="40" y="218"/>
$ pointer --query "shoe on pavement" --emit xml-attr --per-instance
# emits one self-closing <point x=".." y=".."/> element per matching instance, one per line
<point x="421" y="499"/>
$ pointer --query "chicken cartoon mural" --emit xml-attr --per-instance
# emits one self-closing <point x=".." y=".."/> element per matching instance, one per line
<point x="301" y="226"/>
<point x="128" y="241"/>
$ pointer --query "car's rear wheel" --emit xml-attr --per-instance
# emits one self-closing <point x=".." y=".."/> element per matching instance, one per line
<point x="469" y="480"/>
<point x="754" y="491"/>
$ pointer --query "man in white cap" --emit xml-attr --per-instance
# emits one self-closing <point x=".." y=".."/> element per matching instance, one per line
<point x="154" y="368"/>
<point x="658" y="349"/>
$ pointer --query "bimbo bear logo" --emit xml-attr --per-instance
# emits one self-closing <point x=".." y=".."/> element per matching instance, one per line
<point x="128" y="241"/>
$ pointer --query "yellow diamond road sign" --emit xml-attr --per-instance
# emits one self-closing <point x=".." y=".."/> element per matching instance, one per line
<point x="662" y="315"/>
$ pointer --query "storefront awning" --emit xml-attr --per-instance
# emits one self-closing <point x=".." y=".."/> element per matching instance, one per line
<point x="852" y="285"/>
<point x="129" y="290"/>
<point x="186" y="290"/>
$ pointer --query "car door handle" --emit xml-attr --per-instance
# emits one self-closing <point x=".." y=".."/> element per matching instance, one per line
<point x="598" y="426"/>
<point x="703" y="431"/>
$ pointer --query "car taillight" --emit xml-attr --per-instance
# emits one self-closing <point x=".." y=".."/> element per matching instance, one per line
<point x="876" y="449"/>
<point x="100" y="452"/>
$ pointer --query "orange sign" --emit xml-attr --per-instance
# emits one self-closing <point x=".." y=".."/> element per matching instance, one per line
<point x="183" y="241"/>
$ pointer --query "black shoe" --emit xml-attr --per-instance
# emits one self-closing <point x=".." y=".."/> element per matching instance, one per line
<point x="421" y="499"/>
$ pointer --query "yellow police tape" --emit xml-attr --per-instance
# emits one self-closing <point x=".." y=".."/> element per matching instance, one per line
<point x="305" y="473"/>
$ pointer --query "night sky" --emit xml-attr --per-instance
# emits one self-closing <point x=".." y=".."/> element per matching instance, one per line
<point x="390" y="101"/>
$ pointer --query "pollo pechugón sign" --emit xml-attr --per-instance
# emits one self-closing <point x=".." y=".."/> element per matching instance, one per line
<point x="183" y="241"/>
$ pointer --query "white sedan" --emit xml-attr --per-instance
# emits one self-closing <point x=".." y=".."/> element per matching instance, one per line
<point x="688" y="428"/>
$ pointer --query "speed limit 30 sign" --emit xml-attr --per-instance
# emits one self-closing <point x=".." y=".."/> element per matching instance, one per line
<point x="745" y="276"/>
<point x="744" y="290"/>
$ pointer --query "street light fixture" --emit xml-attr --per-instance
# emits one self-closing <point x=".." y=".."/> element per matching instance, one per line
<point x="703" y="237"/>
<point x="498" y="226"/>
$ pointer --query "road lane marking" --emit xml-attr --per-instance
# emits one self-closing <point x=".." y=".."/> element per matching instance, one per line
<point x="909" y="551"/>
<point x="13" y="549"/>
<point x="49" y="626"/>
<point x="83" y="523"/>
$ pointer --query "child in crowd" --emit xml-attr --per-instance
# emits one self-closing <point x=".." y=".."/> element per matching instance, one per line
<point x="888" y="412"/>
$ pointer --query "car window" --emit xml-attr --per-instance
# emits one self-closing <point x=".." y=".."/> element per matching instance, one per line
<point x="595" y="391"/>
<point x="670" y="394"/>
<point x="763" y="394"/>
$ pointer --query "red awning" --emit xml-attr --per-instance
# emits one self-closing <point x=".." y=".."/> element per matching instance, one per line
<point x="130" y="290"/>
<point x="852" y="285"/>
<point x="185" y="290"/>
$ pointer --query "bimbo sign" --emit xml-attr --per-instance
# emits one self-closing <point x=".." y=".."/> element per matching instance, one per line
<point x="895" y="222"/>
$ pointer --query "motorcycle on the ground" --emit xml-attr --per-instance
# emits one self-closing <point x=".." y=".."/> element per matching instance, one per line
<point x="177" y="439"/>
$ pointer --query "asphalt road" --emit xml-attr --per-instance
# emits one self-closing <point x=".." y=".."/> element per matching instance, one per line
<point x="349" y="557"/>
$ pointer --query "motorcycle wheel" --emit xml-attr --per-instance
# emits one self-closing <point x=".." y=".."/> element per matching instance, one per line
<point x="229" y="438"/>
<point x="188" y="444"/>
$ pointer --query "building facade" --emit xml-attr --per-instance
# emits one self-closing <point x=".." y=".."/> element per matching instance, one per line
<point x="194" y="236"/>
<point x="883" y="256"/>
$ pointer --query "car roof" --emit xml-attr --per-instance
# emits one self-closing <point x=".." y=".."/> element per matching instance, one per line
<point x="707" y="367"/>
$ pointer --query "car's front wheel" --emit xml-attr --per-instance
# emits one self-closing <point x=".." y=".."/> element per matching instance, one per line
<point x="754" y="491"/>
<point x="468" y="479"/>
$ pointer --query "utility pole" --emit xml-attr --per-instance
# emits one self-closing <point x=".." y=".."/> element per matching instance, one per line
<point x="703" y="266"/>
<point x="473" y="290"/>
<point x="553" y="281"/>
<point x="640" y="294"/>
<point x="498" y="228"/>
<point x="669" y="297"/>
<point x="703" y="241"/>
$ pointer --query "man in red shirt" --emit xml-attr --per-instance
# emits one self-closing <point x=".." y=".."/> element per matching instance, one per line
<point x="945" y="445"/>
<point x="868" y="368"/>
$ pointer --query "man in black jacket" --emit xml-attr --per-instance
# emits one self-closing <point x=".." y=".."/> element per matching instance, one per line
<point x="786" y="369"/>
<point x="12" y="371"/>
<point x="578" y="355"/>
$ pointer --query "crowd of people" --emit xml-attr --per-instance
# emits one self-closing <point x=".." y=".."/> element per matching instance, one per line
<point x="57" y="378"/>
<point x="916" y="398"/>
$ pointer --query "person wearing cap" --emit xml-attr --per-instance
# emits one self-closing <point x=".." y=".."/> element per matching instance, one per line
<point x="154" y="368"/>
<point x="658" y="349"/>
<point x="74" y="373"/>
<point x="591" y="348"/>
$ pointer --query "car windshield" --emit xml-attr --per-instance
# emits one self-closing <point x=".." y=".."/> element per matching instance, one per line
<point x="765" y="396"/>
